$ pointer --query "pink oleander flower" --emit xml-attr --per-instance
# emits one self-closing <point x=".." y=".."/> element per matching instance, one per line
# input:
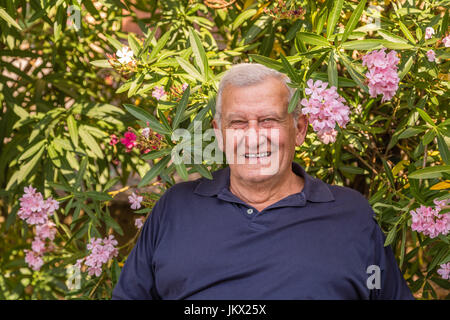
<point x="430" y="221"/>
<point x="38" y="245"/>
<point x="325" y="108"/>
<point x="429" y="33"/>
<point x="34" y="209"/>
<point x="101" y="251"/>
<point x="382" y="73"/>
<point x="145" y="132"/>
<point x="446" y="41"/>
<point x="184" y="86"/>
<point x="135" y="201"/>
<point x="444" y="270"/>
<point x="113" y="139"/>
<point x="129" y="140"/>
<point x="125" y="55"/>
<point x="158" y="92"/>
<point x="431" y="55"/>
<point x="139" y="222"/>
<point x="33" y="259"/>
<point x="46" y="231"/>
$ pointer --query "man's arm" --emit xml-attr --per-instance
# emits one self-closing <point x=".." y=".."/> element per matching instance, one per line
<point x="136" y="281"/>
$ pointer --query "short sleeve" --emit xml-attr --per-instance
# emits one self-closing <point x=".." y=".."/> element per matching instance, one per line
<point x="392" y="285"/>
<point x="136" y="281"/>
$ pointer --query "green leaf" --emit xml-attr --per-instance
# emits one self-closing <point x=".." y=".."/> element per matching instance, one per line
<point x="32" y="150"/>
<point x="181" y="169"/>
<point x="294" y="101"/>
<point x="353" y="170"/>
<point x="366" y="44"/>
<point x="388" y="171"/>
<point x="289" y="69"/>
<point x="313" y="38"/>
<point x="155" y="154"/>
<point x="242" y="17"/>
<point x="134" y="44"/>
<point x="114" y="42"/>
<point x="101" y="63"/>
<point x="406" y="32"/>
<point x="81" y="172"/>
<point x="391" y="236"/>
<point x="96" y="195"/>
<point x="181" y="107"/>
<point x="90" y="142"/>
<point x="199" y="53"/>
<point x="110" y="222"/>
<point x="5" y="16"/>
<point x="27" y="167"/>
<point x="410" y="132"/>
<point x="159" y="45"/>
<point x="189" y="68"/>
<point x="332" y="70"/>
<point x="429" y="172"/>
<point x="406" y="67"/>
<point x="354" y="73"/>
<point x="353" y="21"/>
<point x="397" y="45"/>
<point x="73" y="130"/>
<point x="268" y="62"/>
<point x="143" y="115"/>
<point x="333" y="17"/>
<point x="54" y="156"/>
<point x="425" y="117"/>
<point x="154" y="171"/>
<point x="391" y="37"/>
<point x="443" y="149"/>
<point x="203" y="171"/>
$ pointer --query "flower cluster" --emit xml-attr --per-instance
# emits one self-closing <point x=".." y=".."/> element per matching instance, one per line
<point x="123" y="60"/>
<point x="281" y="12"/>
<point x="446" y="41"/>
<point x="34" y="210"/>
<point x="444" y="270"/>
<point x="382" y="73"/>
<point x="430" y="221"/>
<point x="129" y="140"/>
<point x="325" y="108"/>
<point x="101" y="251"/>
<point x="139" y="222"/>
<point x="159" y="92"/>
<point x="175" y="92"/>
<point x="429" y="33"/>
<point x="431" y="55"/>
<point x="135" y="201"/>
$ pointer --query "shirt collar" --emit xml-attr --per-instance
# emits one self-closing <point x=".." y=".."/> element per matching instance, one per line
<point x="314" y="190"/>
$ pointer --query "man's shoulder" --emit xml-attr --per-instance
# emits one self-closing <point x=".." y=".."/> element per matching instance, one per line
<point x="351" y="199"/>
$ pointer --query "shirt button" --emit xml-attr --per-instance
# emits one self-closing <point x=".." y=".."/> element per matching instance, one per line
<point x="250" y="211"/>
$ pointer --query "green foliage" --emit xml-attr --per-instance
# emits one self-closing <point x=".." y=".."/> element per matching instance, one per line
<point x="64" y="93"/>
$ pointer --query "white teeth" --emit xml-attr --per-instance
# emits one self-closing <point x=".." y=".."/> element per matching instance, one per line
<point x="257" y="155"/>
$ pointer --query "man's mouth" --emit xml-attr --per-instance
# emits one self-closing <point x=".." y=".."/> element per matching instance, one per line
<point x="257" y="155"/>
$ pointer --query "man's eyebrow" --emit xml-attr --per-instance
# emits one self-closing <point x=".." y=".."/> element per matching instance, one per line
<point x="263" y="115"/>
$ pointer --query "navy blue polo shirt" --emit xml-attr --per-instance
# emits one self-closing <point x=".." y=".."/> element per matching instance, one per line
<point x="202" y="242"/>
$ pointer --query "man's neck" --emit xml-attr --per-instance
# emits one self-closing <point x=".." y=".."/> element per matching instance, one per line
<point x="263" y="194"/>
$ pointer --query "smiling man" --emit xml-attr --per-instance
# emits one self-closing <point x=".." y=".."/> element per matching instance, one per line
<point x="262" y="228"/>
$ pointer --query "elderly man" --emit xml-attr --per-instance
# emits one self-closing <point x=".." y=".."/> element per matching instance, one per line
<point x="262" y="228"/>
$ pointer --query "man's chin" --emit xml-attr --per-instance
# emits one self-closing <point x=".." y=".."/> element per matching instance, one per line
<point x="256" y="173"/>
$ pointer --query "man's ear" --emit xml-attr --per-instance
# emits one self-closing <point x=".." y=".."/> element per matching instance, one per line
<point x="302" y="129"/>
<point x="218" y="134"/>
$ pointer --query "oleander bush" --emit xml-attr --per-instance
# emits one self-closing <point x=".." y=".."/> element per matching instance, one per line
<point x="94" y="93"/>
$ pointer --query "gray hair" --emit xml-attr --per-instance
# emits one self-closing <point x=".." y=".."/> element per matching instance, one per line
<point x="247" y="74"/>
